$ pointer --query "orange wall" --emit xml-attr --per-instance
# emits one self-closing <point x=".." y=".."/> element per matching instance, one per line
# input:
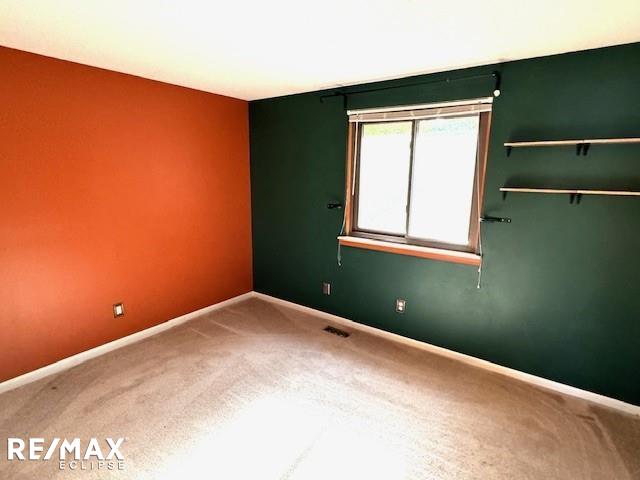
<point x="113" y="188"/>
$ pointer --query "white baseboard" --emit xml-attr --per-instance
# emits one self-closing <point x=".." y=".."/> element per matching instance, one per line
<point x="79" y="358"/>
<point x="476" y="362"/>
<point x="82" y="357"/>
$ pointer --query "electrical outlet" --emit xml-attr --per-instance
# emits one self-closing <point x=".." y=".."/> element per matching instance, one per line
<point x="118" y="310"/>
<point x="326" y="288"/>
<point x="400" y="305"/>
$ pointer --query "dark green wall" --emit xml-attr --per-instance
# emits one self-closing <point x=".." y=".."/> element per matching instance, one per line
<point x="560" y="296"/>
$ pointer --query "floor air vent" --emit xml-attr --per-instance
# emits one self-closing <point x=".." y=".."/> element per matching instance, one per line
<point x="336" y="331"/>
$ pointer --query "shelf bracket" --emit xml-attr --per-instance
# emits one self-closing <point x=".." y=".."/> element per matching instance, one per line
<point x="509" y="148"/>
<point x="575" y="198"/>
<point x="504" y="196"/>
<point x="582" y="148"/>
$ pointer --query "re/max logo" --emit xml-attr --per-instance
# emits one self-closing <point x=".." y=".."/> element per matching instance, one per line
<point x="34" y="449"/>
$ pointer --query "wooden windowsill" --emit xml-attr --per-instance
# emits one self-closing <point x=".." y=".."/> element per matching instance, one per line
<point x="411" y="250"/>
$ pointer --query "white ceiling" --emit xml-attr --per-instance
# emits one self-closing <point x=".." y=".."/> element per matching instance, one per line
<point x="265" y="48"/>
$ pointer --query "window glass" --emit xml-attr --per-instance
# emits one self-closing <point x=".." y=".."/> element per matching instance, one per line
<point x="383" y="184"/>
<point x="442" y="180"/>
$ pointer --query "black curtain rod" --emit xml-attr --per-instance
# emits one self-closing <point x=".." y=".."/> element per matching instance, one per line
<point x="345" y="94"/>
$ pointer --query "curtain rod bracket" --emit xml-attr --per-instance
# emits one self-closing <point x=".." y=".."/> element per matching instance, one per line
<point x="336" y="94"/>
<point x="489" y="219"/>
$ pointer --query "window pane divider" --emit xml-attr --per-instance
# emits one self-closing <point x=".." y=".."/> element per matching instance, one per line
<point x="414" y="128"/>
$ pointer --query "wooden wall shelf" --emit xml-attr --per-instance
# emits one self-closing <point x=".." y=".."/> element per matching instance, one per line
<point x="555" y="143"/>
<point x="576" y="191"/>
<point x="575" y="194"/>
<point x="581" y="145"/>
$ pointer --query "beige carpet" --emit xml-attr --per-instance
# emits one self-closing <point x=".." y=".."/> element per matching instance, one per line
<point x="258" y="391"/>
